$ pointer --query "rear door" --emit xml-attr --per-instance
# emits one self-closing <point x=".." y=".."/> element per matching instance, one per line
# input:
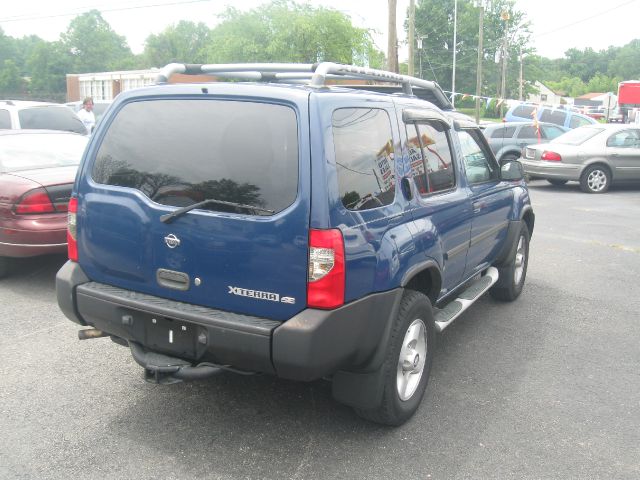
<point x="623" y="152"/>
<point x="246" y="250"/>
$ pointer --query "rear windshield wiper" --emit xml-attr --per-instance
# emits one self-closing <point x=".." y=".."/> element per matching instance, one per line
<point x="168" y="217"/>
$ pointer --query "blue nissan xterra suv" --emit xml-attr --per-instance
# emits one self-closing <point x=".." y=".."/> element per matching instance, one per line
<point x="288" y="227"/>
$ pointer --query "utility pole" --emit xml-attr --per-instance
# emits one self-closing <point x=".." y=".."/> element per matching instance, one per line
<point x="480" y="57"/>
<point x="455" y="47"/>
<point x="521" y="77"/>
<point x="503" y="90"/>
<point x="392" y="44"/>
<point x="412" y="29"/>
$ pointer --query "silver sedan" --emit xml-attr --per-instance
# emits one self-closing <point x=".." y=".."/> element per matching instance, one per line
<point x="594" y="155"/>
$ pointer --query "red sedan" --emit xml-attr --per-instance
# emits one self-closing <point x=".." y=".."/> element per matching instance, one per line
<point x="37" y="170"/>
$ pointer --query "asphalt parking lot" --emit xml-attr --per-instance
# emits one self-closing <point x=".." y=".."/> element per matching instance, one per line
<point x="545" y="387"/>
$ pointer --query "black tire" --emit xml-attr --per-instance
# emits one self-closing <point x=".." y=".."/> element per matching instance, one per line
<point x="595" y="179"/>
<point x="514" y="272"/>
<point x="4" y="266"/>
<point x="395" y="410"/>
<point x="557" y="182"/>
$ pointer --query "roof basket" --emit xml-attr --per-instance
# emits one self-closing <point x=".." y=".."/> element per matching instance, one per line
<point x="315" y="75"/>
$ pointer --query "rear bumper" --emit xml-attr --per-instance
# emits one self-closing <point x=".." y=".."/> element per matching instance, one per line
<point x="552" y="170"/>
<point x="29" y="236"/>
<point x="312" y="344"/>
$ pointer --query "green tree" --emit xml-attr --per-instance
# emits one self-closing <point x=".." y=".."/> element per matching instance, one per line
<point x="602" y="83"/>
<point x="285" y="31"/>
<point x="434" y="23"/>
<point x="11" y="83"/>
<point x="94" y="46"/>
<point x="626" y="63"/>
<point x="184" y="42"/>
<point x="570" y="86"/>
<point x="48" y="65"/>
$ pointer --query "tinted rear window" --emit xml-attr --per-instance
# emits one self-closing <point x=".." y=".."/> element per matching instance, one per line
<point x="553" y="116"/>
<point x="179" y="152"/>
<point x="51" y="118"/>
<point x="523" y="111"/>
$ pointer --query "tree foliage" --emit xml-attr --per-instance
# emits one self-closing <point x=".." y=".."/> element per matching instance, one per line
<point x="184" y="42"/>
<point x="285" y="31"/>
<point x="94" y="46"/>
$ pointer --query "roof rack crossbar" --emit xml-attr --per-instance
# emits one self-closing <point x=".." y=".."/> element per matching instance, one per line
<point x="317" y="74"/>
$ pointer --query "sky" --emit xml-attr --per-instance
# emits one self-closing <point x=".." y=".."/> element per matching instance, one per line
<point x="557" y="25"/>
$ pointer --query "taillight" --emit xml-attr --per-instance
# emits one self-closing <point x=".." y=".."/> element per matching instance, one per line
<point x="325" y="287"/>
<point x="551" y="156"/>
<point x="34" y="201"/>
<point x="72" y="230"/>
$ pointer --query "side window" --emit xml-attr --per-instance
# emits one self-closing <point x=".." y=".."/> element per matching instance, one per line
<point x="479" y="165"/>
<point x="625" y="139"/>
<point x="524" y="111"/>
<point x="364" y="157"/>
<point x="504" y="132"/>
<point x="577" y="121"/>
<point x="5" y="119"/>
<point x="553" y="116"/>
<point x="552" y="132"/>
<point x="430" y="156"/>
<point x="528" y="132"/>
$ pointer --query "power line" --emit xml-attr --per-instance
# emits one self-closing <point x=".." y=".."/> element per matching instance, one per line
<point x="585" y="19"/>
<point x="18" y="18"/>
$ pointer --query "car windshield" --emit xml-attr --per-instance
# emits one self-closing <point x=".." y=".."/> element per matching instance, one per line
<point x="34" y="151"/>
<point x="577" y="136"/>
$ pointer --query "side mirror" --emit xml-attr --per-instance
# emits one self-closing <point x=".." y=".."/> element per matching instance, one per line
<point x="512" y="171"/>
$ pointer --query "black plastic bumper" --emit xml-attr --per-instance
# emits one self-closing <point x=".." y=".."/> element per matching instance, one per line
<point x="311" y="345"/>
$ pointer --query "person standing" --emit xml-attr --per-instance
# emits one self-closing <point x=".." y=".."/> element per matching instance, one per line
<point x="86" y="114"/>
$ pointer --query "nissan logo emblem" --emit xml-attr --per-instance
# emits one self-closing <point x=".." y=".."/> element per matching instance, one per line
<point x="172" y="241"/>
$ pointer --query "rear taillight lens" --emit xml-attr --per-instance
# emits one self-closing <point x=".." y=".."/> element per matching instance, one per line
<point x="551" y="156"/>
<point x="33" y="202"/>
<point x="325" y="287"/>
<point x="72" y="230"/>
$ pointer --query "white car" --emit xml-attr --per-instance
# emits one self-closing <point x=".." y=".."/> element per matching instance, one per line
<point x="19" y="114"/>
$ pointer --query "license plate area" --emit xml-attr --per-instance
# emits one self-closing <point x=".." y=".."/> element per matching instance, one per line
<point x="171" y="336"/>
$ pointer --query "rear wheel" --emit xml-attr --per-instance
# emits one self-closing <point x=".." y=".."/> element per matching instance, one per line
<point x="556" y="182"/>
<point x="407" y="362"/>
<point x="4" y="266"/>
<point x="513" y="273"/>
<point x="595" y="179"/>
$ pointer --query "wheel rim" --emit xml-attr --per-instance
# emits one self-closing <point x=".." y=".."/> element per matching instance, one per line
<point x="521" y="257"/>
<point x="597" y="180"/>
<point x="413" y="355"/>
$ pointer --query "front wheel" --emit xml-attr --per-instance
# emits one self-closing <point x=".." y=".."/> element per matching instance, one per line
<point x="595" y="179"/>
<point x="513" y="273"/>
<point x="407" y="362"/>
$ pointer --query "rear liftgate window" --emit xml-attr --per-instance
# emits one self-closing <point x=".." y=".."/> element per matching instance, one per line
<point x="179" y="152"/>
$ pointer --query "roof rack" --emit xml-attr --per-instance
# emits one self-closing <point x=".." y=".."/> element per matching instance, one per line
<point x="313" y="74"/>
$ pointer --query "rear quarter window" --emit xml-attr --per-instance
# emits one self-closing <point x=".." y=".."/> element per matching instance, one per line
<point x="363" y="145"/>
<point x="179" y="152"/>
<point x="504" y="132"/>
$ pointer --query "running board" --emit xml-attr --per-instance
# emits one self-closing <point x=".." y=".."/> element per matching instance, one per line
<point x="454" y="309"/>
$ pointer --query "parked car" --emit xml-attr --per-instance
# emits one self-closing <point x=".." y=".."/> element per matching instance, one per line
<point x="99" y="107"/>
<point x="508" y="139"/>
<point x="596" y="156"/>
<point x="304" y="231"/>
<point x="558" y="116"/>
<point x="37" y="170"/>
<point x="18" y="114"/>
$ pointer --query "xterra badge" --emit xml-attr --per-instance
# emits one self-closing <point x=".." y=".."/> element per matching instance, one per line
<point x="259" y="295"/>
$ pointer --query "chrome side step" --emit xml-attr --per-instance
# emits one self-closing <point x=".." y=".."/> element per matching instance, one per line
<point x="454" y="309"/>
